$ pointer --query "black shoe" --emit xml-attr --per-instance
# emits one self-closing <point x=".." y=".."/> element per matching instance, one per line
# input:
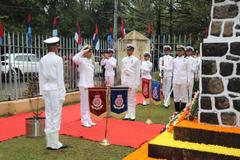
<point x="125" y="119"/>
<point x="131" y="119"/>
<point x="63" y="147"/>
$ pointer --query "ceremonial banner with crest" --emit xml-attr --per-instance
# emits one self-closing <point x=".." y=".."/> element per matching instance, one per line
<point x="118" y="101"/>
<point x="156" y="92"/>
<point x="146" y="88"/>
<point x="97" y="97"/>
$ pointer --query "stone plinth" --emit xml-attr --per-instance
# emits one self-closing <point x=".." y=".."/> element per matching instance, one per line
<point x="220" y="81"/>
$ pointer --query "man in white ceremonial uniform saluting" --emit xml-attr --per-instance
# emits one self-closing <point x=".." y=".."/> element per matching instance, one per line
<point x="166" y="73"/>
<point x="192" y="68"/>
<point x="146" y="69"/>
<point x="86" y="71"/>
<point x="180" y="77"/>
<point x="52" y="88"/>
<point x="130" y="77"/>
<point x="109" y="64"/>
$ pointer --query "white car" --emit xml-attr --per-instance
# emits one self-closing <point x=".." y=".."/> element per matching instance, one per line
<point x="18" y="64"/>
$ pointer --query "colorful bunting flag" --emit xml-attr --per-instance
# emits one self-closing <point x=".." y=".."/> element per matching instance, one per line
<point x="110" y="38"/>
<point x="149" y="31"/>
<point x="156" y="94"/>
<point x="98" y="101"/>
<point x="77" y="36"/>
<point x="123" y="33"/>
<point x="29" y="31"/>
<point x="54" y="25"/>
<point x="96" y="41"/>
<point x="146" y="88"/>
<point x="1" y="33"/>
<point x="118" y="101"/>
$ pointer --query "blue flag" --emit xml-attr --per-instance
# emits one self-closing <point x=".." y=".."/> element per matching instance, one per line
<point x="110" y="40"/>
<point x="96" y="41"/>
<point x="118" y="101"/>
<point x="29" y="32"/>
<point x="156" y="94"/>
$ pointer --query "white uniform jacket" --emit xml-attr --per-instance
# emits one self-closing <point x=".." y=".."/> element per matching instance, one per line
<point x="166" y="66"/>
<point x="146" y="69"/>
<point x="51" y="76"/>
<point x="109" y="65"/>
<point x="180" y="74"/>
<point x="86" y="70"/>
<point x="130" y="71"/>
<point x="192" y="67"/>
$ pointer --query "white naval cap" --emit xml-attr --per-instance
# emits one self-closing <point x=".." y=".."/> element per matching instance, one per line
<point x="110" y="50"/>
<point x="147" y="54"/>
<point x="167" y="46"/>
<point x="52" y="40"/>
<point x="86" y="48"/>
<point x="181" y="47"/>
<point x="130" y="46"/>
<point x="189" y="48"/>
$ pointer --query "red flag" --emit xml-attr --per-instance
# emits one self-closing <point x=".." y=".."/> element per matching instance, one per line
<point x="98" y="101"/>
<point x="110" y="30"/>
<point x="1" y="29"/>
<point x="79" y="41"/>
<point x="29" y="19"/>
<point x="54" y="25"/>
<point x="146" y="88"/>
<point x="1" y="33"/>
<point x="149" y="30"/>
<point x="123" y="33"/>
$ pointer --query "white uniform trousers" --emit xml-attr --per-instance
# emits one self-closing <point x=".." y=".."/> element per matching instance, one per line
<point x="53" y="111"/>
<point x="166" y="87"/>
<point x="190" y="89"/>
<point x="180" y="93"/>
<point x="84" y="107"/>
<point x="131" y="112"/>
<point x="109" y="80"/>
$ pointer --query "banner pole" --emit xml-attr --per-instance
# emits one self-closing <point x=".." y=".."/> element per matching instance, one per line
<point x="105" y="141"/>
<point x="149" y="121"/>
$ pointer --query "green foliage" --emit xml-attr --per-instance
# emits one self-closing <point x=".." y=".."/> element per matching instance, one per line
<point x="174" y="16"/>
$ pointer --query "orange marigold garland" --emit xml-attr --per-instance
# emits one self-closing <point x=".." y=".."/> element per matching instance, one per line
<point x="189" y="112"/>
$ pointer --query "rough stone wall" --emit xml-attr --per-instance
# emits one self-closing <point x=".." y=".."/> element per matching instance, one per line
<point x="220" y="68"/>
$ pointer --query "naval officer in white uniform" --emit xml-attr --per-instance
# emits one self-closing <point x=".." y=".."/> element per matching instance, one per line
<point x="146" y="69"/>
<point x="109" y="64"/>
<point x="166" y="73"/>
<point x="180" y="89"/>
<point x="130" y="77"/>
<point x="192" y="68"/>
<point x="52" y="88"/>
<point x="86" y="71"/>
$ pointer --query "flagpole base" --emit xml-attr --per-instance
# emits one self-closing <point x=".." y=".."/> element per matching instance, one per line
<point x="105" y="142"/>
<point x="148" y="121"/>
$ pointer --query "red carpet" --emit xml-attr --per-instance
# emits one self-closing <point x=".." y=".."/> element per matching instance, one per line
<point x="124" y="133"/>
<point x="119" y="132"/>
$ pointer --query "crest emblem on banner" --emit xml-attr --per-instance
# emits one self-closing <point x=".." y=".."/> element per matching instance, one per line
<point x="97" y="98"/>
<point x="97" y="103"/>
<point x="119" y="102"/>
<point x="145" y="89"/>
<point x="155" y="93"/>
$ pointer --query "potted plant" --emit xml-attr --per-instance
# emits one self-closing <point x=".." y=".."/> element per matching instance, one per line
<point x="34" y="125"/>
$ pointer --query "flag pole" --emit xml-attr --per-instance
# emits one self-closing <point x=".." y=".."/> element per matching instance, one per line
<point x="105" y="141"/>
<point x="149" y="121"/>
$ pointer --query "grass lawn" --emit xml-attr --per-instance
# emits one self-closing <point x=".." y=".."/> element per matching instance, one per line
<point x="23" y="148"/>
